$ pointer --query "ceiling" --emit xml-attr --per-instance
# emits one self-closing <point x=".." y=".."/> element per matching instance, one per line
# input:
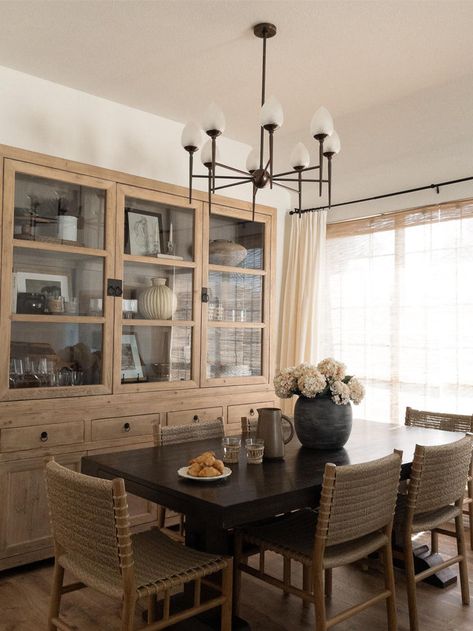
<point x="174" y="57"/>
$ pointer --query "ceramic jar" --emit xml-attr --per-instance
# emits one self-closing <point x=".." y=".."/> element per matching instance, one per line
<point x="321" y="424"/>
<point x="224" y="252"/>
<point x="157" y="302"/>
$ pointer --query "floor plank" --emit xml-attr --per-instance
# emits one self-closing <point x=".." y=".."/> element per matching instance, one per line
<point x="24" y="595"/>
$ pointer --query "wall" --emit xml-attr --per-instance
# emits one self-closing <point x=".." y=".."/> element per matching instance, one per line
<point x="49" y="118"/>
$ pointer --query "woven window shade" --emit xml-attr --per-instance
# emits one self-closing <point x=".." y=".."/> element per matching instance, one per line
<point x="398" y="308"/>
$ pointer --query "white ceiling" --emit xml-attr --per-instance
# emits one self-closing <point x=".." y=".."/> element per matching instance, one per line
<point x="173" y="57"/>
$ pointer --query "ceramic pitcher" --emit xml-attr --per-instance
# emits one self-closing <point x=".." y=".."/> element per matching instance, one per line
<point x="270" y="429"/>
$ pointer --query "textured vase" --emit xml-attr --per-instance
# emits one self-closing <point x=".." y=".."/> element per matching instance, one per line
<point x="223" y="252"/>
<point x="157" y="302"/>
<point x="321" y="424"/>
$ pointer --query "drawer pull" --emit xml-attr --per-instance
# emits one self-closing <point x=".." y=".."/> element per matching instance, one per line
<point x="196" y="418"/>
<point x="252" y="412"/>
<point x="126" y="427"/>
<point x="43" y="437"/>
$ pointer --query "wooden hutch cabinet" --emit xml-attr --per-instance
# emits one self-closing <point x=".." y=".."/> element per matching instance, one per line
<point x="121" y="305"/>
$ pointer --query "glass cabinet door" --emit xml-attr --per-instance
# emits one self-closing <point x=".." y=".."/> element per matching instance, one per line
<point x="236" y="315"/>
<point x="157" y="333"/>
<point x="57" y="255"/>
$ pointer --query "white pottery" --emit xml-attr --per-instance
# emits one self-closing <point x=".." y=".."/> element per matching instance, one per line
<point x="67" y="227"/>
<point x="224" y="252"/>
<point x="157" y="302"/>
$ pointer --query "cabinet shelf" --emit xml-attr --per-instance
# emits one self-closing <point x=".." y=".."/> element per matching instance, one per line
<point x="58" y="247"/>
<point x="144" y="322"/>
<point x="56" y="319"/>
<point x="131" y="258"/>
<point x="236" y="270"/>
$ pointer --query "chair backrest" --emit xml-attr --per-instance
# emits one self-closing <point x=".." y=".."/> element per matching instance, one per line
<point x="90" y="522"/>
<point x="172" y="434"/>
<point x="439" y="420"/>
<point x="358" y="499"/>
<point x="438" y="476"/>
<point x="249" y="426"/>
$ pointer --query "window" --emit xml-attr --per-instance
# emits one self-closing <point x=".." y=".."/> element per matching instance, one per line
<point x="399" y="308"/>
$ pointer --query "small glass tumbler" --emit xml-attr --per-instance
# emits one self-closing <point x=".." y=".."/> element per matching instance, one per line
<point x="254" y="450"/>
<point x="231" y="449"/>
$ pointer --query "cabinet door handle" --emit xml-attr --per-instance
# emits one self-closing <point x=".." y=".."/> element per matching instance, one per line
<point x="196" y="418"/>
<point x="126" y="427"/>
<point x="252" y="412"/>
<point x="43" y="437"/>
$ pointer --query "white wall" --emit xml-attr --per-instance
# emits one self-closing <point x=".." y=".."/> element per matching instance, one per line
<point x="49" y="118"/>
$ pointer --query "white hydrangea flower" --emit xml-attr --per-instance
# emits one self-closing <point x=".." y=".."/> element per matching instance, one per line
<point x="285" y="384"/>
<point x="311" y="382"/>
<point x="332" y="369"/>
<point x="340" y="392"/>
<point x="357" y="390"/>
<point x="298" y="371"/>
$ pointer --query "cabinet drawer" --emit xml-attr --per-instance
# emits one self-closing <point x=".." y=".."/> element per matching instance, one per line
<point x="124" y="427"/>
<point x="247" y="410"/>
<point x="188" y="416"/>
<point x="41" y="436"/>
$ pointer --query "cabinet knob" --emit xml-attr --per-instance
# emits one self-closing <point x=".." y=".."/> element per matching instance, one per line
<point x="126" y="427"/>
<point x="196" y="418"/>
<point x="252" y="412"/>
<point x="43" y="437"/>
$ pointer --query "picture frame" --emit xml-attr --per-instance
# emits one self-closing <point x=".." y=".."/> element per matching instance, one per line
<point x="143" y="232"/>
<point x="131" y="366"/>
<point x="35" y="282"/>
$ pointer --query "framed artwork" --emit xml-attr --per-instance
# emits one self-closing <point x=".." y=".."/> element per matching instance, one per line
<point x="131" y="362"/>
<point x="34" y="282"/>
<point x="143" y="232"/>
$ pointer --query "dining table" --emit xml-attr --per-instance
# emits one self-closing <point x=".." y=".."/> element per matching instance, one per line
<point x="252" y="492"/>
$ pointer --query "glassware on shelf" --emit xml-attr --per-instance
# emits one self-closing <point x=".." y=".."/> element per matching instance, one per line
<point x="71" y="307"/>
<point x="129" y="308"/>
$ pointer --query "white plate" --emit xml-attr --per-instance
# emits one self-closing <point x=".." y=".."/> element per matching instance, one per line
<point x="182" y="472"/>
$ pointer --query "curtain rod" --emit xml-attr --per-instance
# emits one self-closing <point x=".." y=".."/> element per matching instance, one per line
<point x="370" y="199"/>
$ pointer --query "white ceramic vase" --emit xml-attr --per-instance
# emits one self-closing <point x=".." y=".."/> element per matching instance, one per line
<point x="157" y="302"/>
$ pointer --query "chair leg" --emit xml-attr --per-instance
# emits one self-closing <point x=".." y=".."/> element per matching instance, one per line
<point x="411" y="583"/>
<point x="319" y="600"/>
<point x="389" y="583"/>
<point x="55" y="602"/>
<point x="434" y="538"/>
<point x="306" y="583"/>
<point x="152" y="608"/>
<point x="470" y="511"/>
<point x="161" y="516"/>
<point x="286" y="574"/>
<point x="328" y="583"/>
<point x="460" y="532"/>
<point x="237" y="554"/>
<point x="227" y="586"/>
<point x="128" y="614"/>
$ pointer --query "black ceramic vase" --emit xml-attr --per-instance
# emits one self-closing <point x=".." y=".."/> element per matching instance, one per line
<point x="322" y="424"/>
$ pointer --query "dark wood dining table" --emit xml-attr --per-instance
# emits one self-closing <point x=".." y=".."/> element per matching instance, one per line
<point x="252" y="492"/>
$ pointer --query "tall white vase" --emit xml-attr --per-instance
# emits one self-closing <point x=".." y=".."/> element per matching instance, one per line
<point x="157" y="302"/>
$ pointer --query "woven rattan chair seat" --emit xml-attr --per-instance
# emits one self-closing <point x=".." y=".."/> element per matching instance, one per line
<point x="423" y="521"/>
<point x="160" y="564"/>
<point x="293" y="537"/>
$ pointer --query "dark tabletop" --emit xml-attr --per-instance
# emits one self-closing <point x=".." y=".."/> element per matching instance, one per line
<point x="252" y="492"/>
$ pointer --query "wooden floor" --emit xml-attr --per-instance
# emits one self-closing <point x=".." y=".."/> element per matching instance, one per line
<point x="24" y="600"/>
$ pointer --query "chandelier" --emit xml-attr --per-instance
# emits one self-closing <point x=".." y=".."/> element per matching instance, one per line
<point x="259" y="164"/>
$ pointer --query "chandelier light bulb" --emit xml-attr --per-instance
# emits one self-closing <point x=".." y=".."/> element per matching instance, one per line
<point x="206" y="155"/>
<point x="272" y="113"/>
<point x="299" y="158"/>
<point x="214" y="119"/>
<point x="191" y="136"/>
<point x="252" y="161"/>
<point x="321" y="123"/>
<point x="332" y="144"/>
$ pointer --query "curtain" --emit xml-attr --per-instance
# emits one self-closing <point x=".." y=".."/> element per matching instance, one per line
<point x="398" y="308"/>
<point x="301" y="296"/>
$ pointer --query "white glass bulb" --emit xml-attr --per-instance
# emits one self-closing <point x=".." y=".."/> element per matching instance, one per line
<point x="271" y="113"/>
<point x="299" y="157"/>
<point x="332" y="143"/>
<point x="322" y="122"/>
<point x="214" y="119"/>
<point x="252" y="161"/>
<point x="191" y="136"/>
<point x="206" y="155"/>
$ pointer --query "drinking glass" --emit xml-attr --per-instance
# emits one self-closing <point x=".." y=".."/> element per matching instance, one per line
<point x="231" y="449"/>
<point x="254" y="450"/>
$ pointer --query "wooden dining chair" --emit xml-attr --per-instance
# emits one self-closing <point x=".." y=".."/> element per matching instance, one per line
<point x="173" y="434"/>
<point x="354" y="520"/>
<point x="450" y="423"/>
<point x="92" y="540"/>
<point x="434" y="495"/>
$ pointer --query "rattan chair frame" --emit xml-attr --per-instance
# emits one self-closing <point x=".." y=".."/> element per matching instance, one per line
<point x="130" y="593"/>
<point x="174" y="434"/>
<point x="422" y="487"/>
<point x="450" y="423"/>
<point x="317" y="579"/>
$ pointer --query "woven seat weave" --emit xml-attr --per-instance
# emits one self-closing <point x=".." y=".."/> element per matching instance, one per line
<point x="439" y="420"/>
<point x="173" y="434"/>
<point x="423" y="521"/>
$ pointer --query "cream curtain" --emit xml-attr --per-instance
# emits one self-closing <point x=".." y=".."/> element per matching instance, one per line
<point x="301" y="296"/>
<point x="398" y="308"/>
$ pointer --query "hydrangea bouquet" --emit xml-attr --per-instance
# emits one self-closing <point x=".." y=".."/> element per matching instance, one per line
<point x="327" y="379"/>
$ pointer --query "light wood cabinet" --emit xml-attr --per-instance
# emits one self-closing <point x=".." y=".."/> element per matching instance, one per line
<point x="121" y="305"/>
